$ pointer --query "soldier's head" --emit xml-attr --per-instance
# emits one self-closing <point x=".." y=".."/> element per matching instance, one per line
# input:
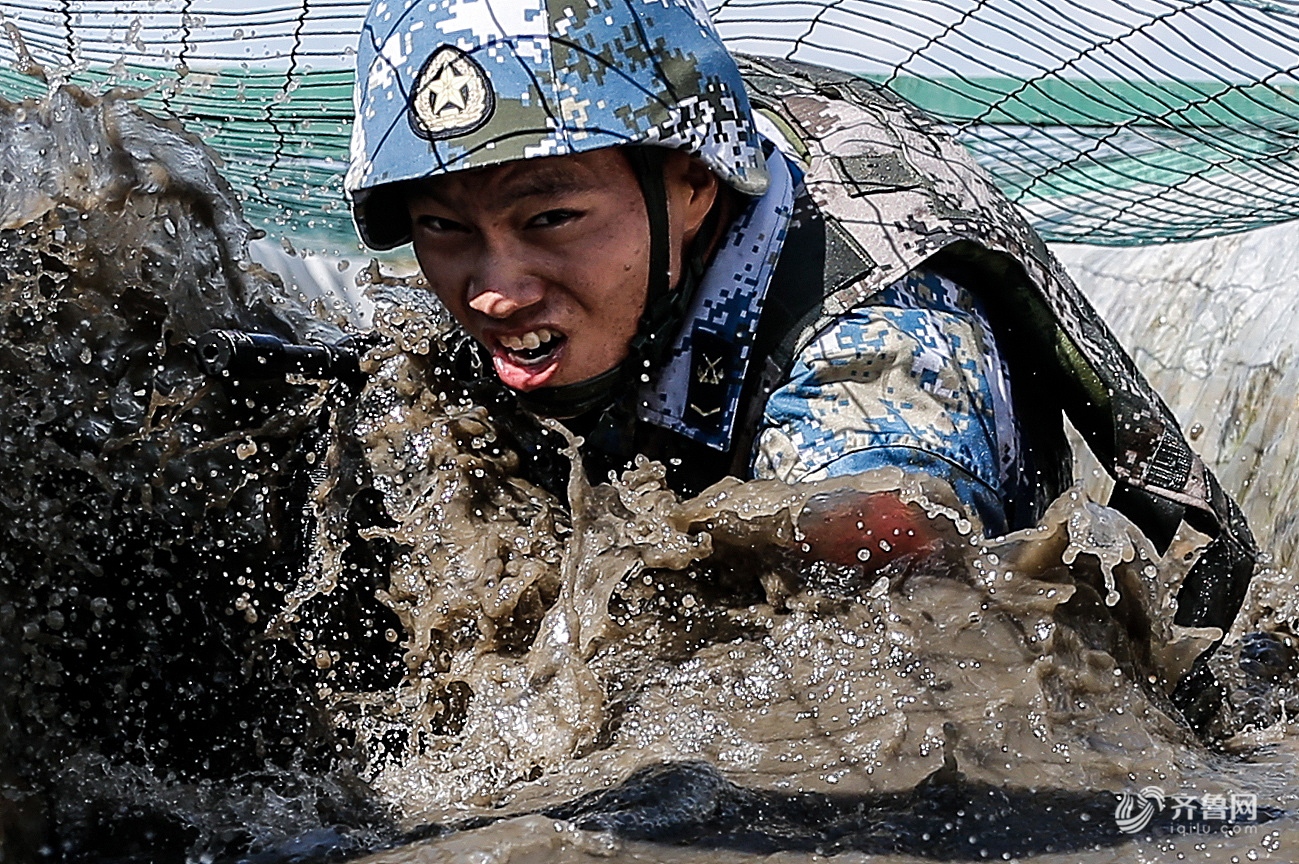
<point x="557" y="165"/>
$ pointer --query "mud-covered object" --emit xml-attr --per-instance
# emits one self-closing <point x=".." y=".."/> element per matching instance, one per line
<point x="144" y="509"/>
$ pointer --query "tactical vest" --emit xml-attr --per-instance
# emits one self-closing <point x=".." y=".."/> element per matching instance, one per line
<point x="887" y="191"/>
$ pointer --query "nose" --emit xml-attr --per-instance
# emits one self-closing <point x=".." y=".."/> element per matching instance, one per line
<point x="501" y="284"/>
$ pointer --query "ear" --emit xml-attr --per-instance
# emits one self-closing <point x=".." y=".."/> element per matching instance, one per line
<point x="692" y="190"/>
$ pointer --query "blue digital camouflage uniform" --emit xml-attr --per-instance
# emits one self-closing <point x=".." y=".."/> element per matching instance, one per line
<point x="912" y="379"/>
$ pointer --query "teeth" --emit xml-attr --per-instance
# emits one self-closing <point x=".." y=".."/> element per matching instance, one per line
<point x="530" y="340"/>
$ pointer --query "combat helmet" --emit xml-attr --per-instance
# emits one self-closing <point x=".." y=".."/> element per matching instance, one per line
<point x="449" y="85"/>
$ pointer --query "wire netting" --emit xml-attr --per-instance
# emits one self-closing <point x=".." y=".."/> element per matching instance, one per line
<point x="1110" y="121"/>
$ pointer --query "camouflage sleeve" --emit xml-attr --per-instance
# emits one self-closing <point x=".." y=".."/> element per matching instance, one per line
<point x="912" y="380"/>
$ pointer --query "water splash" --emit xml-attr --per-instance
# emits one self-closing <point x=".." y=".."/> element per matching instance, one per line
<point x="550" y="650"/>
<point x="144" y="506"/>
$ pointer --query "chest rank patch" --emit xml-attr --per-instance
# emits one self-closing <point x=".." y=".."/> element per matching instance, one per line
<point x="452" y="96"/>
<point x="710" y="366"/>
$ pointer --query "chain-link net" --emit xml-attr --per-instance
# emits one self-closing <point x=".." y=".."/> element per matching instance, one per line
<point x="1109" y="121"/>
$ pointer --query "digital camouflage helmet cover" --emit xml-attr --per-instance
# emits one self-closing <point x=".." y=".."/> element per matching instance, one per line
<point x="450" y="85"/>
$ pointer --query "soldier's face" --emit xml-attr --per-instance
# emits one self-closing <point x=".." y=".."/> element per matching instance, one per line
<point x="546" y="261"/>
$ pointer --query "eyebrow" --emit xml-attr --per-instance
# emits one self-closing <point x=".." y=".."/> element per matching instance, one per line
<point x="537" y="182"/>
<point x="542" y="182"/>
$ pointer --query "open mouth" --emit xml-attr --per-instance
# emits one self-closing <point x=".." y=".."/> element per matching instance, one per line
<point x="529" y="360"/>
<point x="533" y="347"/>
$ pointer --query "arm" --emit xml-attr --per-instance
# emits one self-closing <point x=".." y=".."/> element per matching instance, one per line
<point x="913" y="383"/>
<point x="873" y="529"/>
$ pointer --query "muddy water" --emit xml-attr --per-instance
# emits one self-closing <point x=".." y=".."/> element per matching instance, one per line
<point x="985" y="701"/>
<point x="280" y="620"/>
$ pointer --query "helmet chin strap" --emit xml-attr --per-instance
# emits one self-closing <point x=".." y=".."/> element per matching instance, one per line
<point x="662" y="317"/>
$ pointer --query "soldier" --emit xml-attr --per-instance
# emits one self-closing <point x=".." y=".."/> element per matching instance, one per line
<point x="756" y="268"/>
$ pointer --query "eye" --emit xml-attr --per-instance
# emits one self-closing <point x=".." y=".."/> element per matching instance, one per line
<point x="439" y="224"/>
<point x="551" y="218"/>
